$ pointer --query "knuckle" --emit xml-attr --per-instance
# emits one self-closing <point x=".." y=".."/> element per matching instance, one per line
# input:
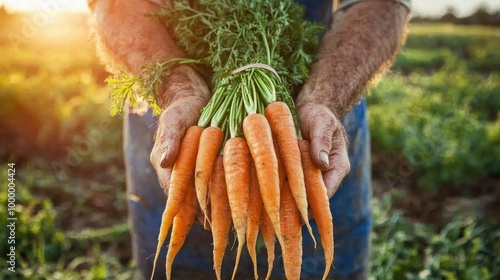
<point x="326" y="137"/>
<point x="180" y="115"/>
<point x="171" y="111"/>
<point x="152" y="159"/>
<point x="326" y="140"/>
<point x="346" y="167"/>
<point x="161" y="138"/>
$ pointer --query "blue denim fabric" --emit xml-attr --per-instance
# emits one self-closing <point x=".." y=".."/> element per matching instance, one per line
<point x="351" y="206"/>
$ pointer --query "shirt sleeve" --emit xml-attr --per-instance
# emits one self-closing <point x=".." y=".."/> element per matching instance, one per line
<point x="346" y="3"/>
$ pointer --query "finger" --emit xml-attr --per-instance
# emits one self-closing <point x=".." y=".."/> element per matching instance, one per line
<point x="164" y="175"/>
<point x="319" y="125"/>
<point x="321" y="144"/>
<point x="174" y="122"/>
<point x="340" y="167"/>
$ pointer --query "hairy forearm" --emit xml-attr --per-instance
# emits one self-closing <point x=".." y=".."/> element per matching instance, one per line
<point x="127" y="38"/>
<point x="360" y="45"/>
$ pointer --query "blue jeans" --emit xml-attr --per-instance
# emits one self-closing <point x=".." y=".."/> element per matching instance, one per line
<point x="351" y="208"/>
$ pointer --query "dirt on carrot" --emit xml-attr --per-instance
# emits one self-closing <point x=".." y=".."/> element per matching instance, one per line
<point x="281" y="121"/>
<point x="319" y="203"/>
<point x="237" y="171"/>
<point x="220" y="214"/>
<point x="180" y="180"/>
<point x="291" y="228"/>
<point x="260" y="141"/>
<point x="269" y="236"/>
<point x="253" y="221"/>
<point x="210" y="144"/>
<point x="183" y="222"/>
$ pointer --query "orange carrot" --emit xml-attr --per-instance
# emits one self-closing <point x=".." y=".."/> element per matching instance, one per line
<point x="237" y="171"/>
<point x="210" y="144"/>
<point x="319" y="203"/>
<point x="260" y="141"/>
<point x="281" y="167"/>
<point x="281" y="121"/>
<point x="253" y="220"/>
<point x="183" y="222"/>
<point x="180" y="180"/>
<point x="267" y="231"/>
<point x="220" y="213"/>
<point x="291" y="227"/>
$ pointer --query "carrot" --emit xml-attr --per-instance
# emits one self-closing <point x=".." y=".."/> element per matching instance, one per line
<point x="280" y="119"/>
<point x="260" y="141"/>
<point x="220" y="212"/>
<point x="180" y="180"/>
<point x="267" y="231"/>
<point x="319" y="203"/>
<point x="183" y="222"/>
<point x="281" y="167"/>
<point x="291" y="227"/>
<point x="253" y="220"/>
<point x="237" y="171"/>
<point x="210" y="144"/>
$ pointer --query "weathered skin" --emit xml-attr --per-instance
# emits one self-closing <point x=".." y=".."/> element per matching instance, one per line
<point x="359" y="46"/>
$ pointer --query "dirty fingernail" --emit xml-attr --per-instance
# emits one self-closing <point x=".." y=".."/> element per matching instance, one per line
<point x="323" y="156"/>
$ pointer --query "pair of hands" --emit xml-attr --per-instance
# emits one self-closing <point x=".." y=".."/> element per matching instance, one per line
<point x="318" y="125"/>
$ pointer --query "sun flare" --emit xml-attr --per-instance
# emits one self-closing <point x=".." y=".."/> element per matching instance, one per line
<point x="49" y="6"/>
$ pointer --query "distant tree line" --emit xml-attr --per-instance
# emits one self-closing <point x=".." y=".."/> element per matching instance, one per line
<point x="480" y="17"/>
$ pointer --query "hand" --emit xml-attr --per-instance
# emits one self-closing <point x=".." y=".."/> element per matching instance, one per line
<point x="188" y="94"/>
<point x="329" y="143"/>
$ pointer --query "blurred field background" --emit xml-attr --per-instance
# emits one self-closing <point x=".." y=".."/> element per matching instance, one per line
<point x="435" y="130"/>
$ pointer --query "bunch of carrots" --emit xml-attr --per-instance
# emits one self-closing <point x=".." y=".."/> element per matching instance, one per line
<point x="245" y="159"/>
<point x="264" y="180"/>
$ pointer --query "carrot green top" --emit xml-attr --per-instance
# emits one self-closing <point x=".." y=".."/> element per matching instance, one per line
<point x="270" y="35"/>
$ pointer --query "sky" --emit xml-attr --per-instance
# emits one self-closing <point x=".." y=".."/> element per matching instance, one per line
<point x="420" y="7"/>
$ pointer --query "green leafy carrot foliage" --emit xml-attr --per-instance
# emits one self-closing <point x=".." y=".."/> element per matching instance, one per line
<point x="226" y="35"/>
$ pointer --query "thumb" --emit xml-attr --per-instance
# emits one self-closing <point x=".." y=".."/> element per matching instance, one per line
<point x="318" y="124"/>
<point x="174" y="122"/>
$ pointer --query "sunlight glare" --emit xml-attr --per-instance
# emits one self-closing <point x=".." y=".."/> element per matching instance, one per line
<point x="40" y="5"/>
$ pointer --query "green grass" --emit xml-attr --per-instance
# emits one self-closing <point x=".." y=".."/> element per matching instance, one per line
<point x="465" y="248"/>
<point x="437" y="111"/>
<point x="475" y="45"/>
<point x="443" y="122"/>
<point x="51" y="212"/>
<point x="440" y="29"/>
<point x="439" y="105"/>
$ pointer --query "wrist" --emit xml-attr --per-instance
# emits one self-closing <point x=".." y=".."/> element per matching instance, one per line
<point x="319" y="93"/>
<point x="354" y="53"/>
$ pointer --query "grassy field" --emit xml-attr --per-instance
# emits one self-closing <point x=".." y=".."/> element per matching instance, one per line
<point x="436" y="157"/>
<point x="436" y="149"/>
